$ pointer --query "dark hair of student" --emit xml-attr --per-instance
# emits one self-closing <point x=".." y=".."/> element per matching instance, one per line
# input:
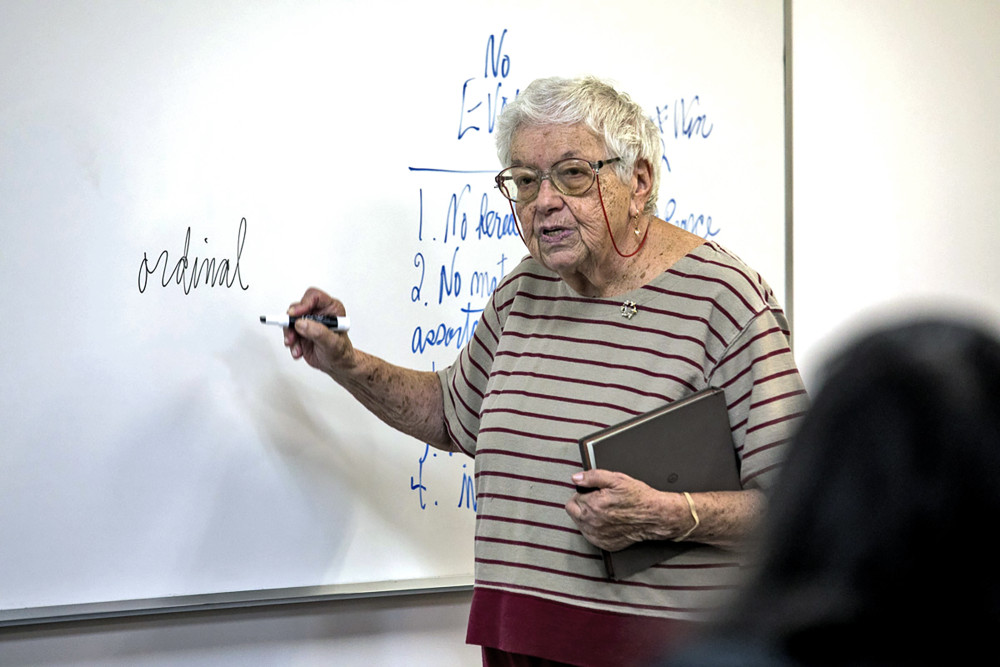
<point x="879" y="546"/>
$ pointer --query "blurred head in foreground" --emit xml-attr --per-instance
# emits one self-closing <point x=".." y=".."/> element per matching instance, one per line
<point x="878" y="548"/>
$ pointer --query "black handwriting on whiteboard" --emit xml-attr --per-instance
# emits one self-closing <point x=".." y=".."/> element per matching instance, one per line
<point x="189" y="273"/>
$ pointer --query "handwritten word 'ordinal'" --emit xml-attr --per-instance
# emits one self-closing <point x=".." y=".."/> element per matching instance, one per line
<point x="205" y="271"/>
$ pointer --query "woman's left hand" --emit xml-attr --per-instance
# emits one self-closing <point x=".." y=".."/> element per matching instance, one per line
<point x="621" y="510"/>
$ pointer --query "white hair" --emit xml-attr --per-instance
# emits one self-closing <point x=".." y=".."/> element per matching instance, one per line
<point x="628" y="132"/>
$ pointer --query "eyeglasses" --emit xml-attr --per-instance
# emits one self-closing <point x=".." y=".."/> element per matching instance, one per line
<point x="572" y="177"/>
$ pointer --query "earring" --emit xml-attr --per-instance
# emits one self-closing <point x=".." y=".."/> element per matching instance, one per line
<point x="635" y="220"/>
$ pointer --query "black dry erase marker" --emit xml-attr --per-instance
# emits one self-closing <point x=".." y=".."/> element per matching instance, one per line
<point x="341" y="323"/>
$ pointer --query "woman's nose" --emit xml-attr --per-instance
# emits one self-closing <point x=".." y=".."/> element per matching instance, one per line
<point x="548" y="195"/>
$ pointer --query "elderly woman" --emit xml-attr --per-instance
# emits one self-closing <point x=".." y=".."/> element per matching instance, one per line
<point x="614" y="313"/>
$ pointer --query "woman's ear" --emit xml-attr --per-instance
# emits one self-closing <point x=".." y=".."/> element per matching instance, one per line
<point x="642" y="184"/>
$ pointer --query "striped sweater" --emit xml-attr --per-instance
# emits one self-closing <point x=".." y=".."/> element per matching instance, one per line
<point x="546" y="366"/>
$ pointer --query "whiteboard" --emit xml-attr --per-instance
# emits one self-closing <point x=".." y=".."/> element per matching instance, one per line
<point x="171" y="171"/>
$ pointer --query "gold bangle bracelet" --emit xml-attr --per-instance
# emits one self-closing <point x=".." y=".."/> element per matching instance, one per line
<point x="694" y="515"/>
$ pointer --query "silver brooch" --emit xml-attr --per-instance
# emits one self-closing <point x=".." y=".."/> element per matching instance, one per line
<point x="629" y="308"/>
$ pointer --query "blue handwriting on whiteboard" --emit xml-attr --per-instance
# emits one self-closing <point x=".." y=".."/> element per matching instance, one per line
<point x="496" y="69"/>
<point x="415" y="291"/>
<point x="456" y="211"/>
<point x="442" y="335"/>
<point x="467" y="495"/>
<point x="688" y="121"/>
<point x="451" y="218"/>
<point x="451" y="281"/>
<point x="481" y="282"/>
<point x="699" y="224"/>
<point x="491" y="224"/>
<point x="418" y="486"/>
<point x="494" y="224"/>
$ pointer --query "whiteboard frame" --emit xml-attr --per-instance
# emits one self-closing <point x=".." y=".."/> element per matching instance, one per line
<point x="89" y="611"/>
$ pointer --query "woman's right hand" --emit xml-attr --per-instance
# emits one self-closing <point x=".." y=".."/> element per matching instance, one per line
<point x="322" y="348"/>
<point x="408" y="400"/>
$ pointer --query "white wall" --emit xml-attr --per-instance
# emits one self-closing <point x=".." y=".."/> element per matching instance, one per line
<point x="896" y="153"/>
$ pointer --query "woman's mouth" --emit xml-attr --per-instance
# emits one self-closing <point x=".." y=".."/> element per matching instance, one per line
<point x="554" y="234"/>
